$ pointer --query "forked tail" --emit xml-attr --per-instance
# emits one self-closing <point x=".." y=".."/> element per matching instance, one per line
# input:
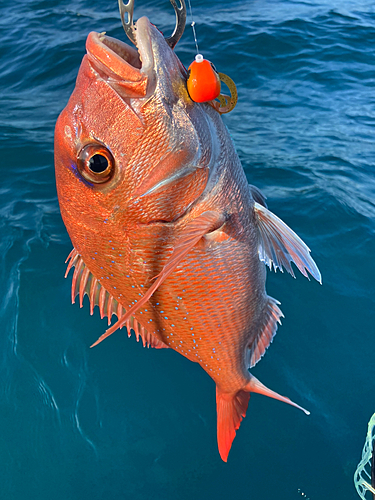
<point x="231" y="409"/>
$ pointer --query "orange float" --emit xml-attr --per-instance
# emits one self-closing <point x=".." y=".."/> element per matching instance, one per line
<point x="203" y="81"/>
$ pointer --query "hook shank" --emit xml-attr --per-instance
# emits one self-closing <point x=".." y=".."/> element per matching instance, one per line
<point x="127" y="11"/>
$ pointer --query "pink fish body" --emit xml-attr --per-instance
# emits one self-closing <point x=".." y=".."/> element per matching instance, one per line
<point x="167" y="233"/>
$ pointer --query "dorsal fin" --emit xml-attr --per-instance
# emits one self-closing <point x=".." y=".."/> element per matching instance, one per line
<point x="279" y="245"/>
<point x="84" y="283"/>
<point x="271" y="315"/>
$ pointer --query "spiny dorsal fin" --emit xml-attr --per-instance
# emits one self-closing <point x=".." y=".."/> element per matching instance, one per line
<point x="272" y="315"/>
<point x="279" y="245"/>
<point x="84" y="283"/>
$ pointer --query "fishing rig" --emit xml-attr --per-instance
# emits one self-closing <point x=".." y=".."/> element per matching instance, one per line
<point x="203" y="80"/>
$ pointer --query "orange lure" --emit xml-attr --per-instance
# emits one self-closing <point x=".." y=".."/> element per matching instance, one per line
<point x="203" y="82"/>
<point x="168" y="235"/>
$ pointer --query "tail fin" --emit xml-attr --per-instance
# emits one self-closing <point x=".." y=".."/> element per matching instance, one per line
<point x="256" y="386"/>
<point x="231" y="409"/>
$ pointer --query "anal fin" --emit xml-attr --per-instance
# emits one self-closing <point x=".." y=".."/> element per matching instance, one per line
<point x="258" y="347"/>
<point x="279" y="245"/>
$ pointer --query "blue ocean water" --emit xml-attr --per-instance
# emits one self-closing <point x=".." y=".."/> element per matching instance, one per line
<point x="120" y="421"/>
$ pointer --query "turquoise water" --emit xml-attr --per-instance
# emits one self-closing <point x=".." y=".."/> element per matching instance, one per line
<point x="120" y="421"/>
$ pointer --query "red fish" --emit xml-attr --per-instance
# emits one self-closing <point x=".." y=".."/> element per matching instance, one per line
<point x="167" y="233"/>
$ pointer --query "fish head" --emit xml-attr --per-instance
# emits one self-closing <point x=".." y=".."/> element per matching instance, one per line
<point x="131" y="146"/>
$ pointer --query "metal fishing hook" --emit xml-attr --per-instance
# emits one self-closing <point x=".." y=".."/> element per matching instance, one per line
<point x="126" y="13"/>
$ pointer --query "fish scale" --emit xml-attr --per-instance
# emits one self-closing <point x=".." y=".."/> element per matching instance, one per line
<point x="169" y="237"/>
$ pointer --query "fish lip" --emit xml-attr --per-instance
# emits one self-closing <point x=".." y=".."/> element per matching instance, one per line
<point x="119" y="61"/>
<point x="144" y="45"/>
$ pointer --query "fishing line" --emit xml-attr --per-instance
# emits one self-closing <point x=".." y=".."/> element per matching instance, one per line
<point x="193" y="27"/>
<point x="204" y="82"/>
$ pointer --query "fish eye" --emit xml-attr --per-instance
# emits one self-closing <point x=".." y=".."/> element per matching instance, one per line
<point x="96" y="164"/>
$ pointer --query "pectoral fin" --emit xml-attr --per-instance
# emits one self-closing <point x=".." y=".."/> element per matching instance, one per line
<point x="279" y="245"/>
<point x="257" y="195"/>
<point x="193" y="232"/>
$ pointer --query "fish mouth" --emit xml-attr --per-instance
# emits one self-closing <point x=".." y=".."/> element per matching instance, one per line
<point x="123" y="65"/>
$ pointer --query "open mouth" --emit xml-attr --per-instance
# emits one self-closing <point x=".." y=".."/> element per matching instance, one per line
<point x="129" y="54"/>
<point x="121" y="63"/>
